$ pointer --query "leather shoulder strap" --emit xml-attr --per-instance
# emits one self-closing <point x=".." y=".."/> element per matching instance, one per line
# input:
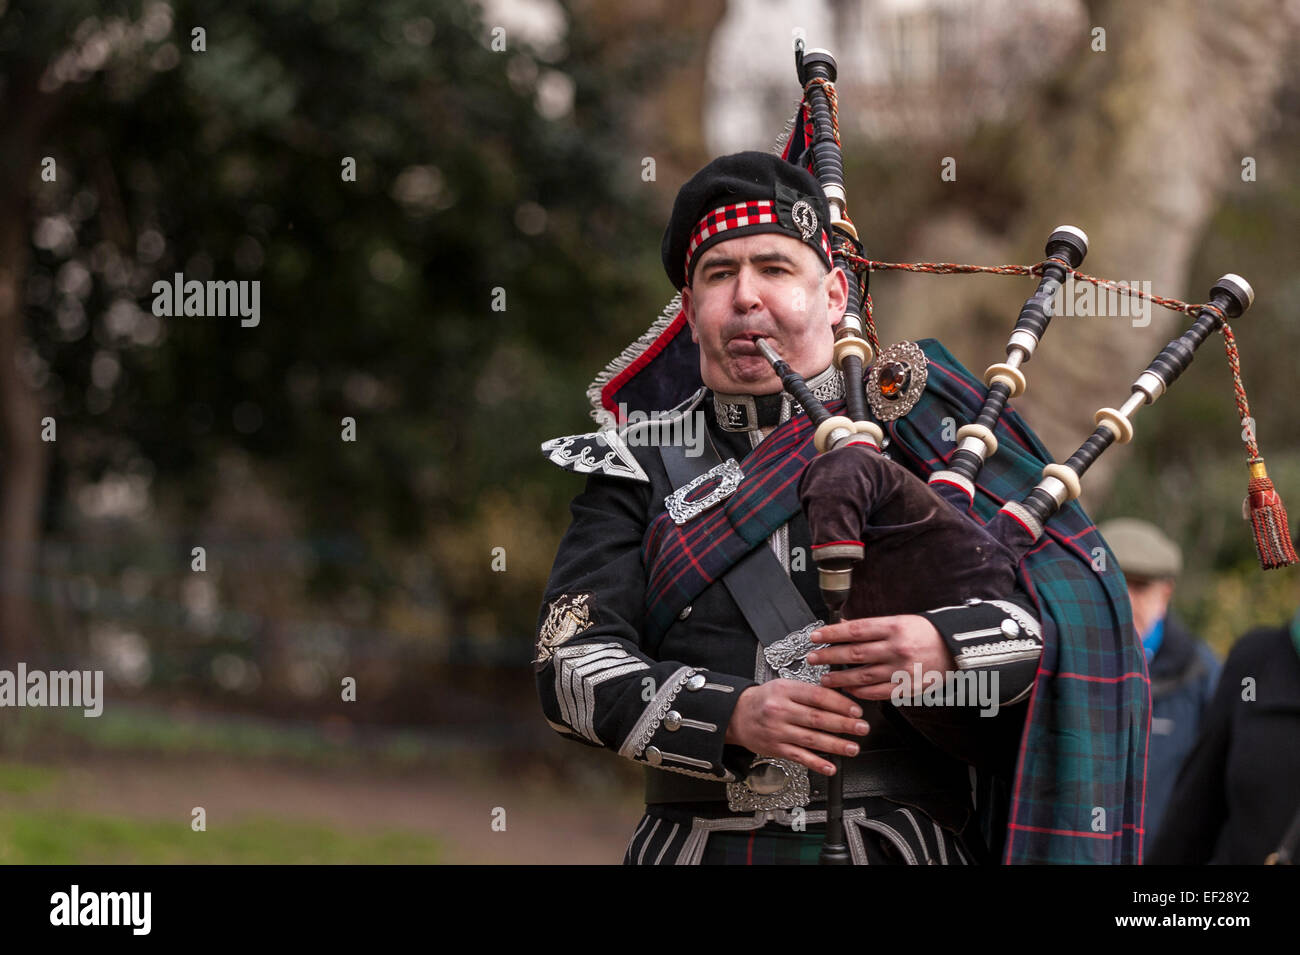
<point x="768" y="598"/>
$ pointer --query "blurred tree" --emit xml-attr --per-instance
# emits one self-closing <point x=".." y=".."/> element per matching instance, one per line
<point x="1138" y="143"/>
<point x="482" y="163"/>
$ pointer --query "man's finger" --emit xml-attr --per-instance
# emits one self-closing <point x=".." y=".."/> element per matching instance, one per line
<point x="823" y="699"/>
<point x="861" y="628"/>
<point x="814" y="718"/>
<point x="821" y="742"/>
<point x="855" y="654"/>
<point x="817" y="764"/>
<point x="860" y="676"/>
<point x="876" y="691"/>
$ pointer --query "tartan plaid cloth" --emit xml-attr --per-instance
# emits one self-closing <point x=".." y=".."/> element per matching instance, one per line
<point x="681" y="562"/>
<point x="770" y="845"/>
<point x="1078" y="791"/>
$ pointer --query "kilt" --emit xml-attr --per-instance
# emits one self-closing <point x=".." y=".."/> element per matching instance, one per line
<point x="877" y="831"/>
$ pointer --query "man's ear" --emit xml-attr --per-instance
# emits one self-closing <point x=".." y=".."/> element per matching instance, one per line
<point x="688" y="309"/>
<point x="837" y="294"/>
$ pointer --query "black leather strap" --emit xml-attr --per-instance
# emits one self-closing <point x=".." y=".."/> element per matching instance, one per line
<point x="768" y="598"/>
<point x="876" y="773"/>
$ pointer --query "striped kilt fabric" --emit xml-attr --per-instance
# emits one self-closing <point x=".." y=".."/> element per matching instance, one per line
<point x="878" y="832"/>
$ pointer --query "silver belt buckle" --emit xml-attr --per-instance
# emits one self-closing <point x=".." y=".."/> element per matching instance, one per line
<point x="771" y="783"/>
<point x="774" y="783"/>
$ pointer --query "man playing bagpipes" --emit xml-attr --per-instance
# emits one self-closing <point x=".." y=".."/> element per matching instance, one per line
<point x="685" y="622"/>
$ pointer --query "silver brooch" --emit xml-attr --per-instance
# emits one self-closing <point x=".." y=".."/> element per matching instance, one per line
<point x="787" y="656"/>
<point x="896" y="380"/>
<point x="805" y="218"/>
<point x="688" y="502"/>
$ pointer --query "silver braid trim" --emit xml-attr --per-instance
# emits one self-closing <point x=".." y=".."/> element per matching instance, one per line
<point x="653" y="715"/>
<point x="952" y="477"/>
<point x="1017" y="510"/>
<point x="826" y="386"/>
<point x="996" y="654"/>
<point x="727" y="777"/>
<point x="1027" y="623"/>
<point x="625" y="358"/>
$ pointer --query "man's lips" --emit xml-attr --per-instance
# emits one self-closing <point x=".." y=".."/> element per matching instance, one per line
<point x="743" y="344"/>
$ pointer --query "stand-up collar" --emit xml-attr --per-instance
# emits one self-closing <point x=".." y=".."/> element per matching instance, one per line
<point x="750" y="412"/>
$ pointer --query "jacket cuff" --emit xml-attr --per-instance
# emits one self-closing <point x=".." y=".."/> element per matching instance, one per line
<point x="684" y="727"/>
<point x="993" y="635"/>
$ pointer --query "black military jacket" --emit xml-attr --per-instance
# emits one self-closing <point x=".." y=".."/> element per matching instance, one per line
<point x="666" y="704"/>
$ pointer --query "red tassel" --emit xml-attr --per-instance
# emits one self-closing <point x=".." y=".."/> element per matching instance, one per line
<point x="1268" y="518"/>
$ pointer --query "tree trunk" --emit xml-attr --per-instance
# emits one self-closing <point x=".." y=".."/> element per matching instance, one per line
<point x="24" y="456"/>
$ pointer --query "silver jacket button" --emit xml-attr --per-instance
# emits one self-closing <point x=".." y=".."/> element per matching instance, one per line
<point x="653" y="756"/>
<point x="672" y="721"/>
<point x="1010" y="627"/>
<point x="686" y="612"/>
<point x="696" y="682"/>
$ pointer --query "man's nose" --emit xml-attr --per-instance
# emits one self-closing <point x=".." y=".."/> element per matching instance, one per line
<point x="745" y="295"/>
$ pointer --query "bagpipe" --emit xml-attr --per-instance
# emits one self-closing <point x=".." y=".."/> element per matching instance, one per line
<point x="854" y="496"/>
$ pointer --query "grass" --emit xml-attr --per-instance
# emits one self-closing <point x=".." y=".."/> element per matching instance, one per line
<point x="19" y="780"/>
<point x="152" y="731"/>
<point x="60" y="837"/>
<point x="45" y="837"/>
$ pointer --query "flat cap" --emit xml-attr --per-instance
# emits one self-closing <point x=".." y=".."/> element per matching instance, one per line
<point x="744" y="194"/>
<point x="1142" y="549"/>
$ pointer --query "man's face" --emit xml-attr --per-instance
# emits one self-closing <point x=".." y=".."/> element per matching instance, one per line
<point x="771" y="286"/>
<point x="1150" y="600"/>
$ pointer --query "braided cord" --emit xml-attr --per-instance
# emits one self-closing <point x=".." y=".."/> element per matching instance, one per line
<point x="829" y="89"/>
<point x="1239" y="392"/>
<point x="861" y="264"/>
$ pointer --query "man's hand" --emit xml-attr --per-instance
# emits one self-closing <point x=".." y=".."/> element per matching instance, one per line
<point x="877" y="648"/>
<point x="790" y="719"/>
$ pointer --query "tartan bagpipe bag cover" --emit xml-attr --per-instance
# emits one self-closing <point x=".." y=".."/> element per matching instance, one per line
<point x="1078" y="791"/>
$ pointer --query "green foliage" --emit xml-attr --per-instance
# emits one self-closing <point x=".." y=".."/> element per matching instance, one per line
<point x="375" y="294"/>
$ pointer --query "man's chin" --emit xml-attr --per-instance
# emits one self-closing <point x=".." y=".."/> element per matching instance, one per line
<point x="750" y="374"/>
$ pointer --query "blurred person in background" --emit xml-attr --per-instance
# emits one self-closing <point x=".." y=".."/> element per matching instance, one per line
<point x="1237" y="798"/>
<point x="1182" y="666"/>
